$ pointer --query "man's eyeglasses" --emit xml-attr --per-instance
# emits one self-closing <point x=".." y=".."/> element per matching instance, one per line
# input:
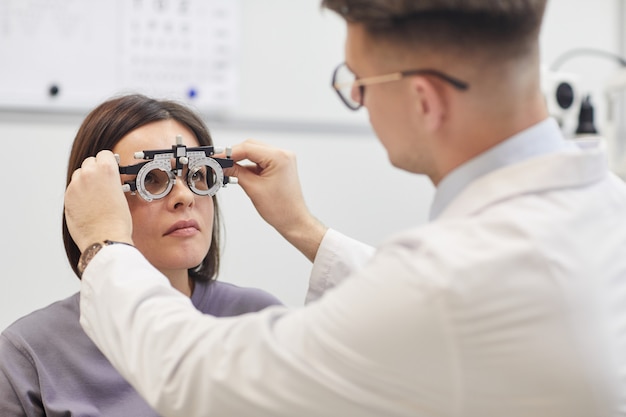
<point x="352" y="89"/>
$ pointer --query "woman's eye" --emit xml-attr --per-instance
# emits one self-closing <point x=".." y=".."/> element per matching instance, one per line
<point x="198" y="175"/>
<point x="156" y="181"/>
<point x="151" y="178"/>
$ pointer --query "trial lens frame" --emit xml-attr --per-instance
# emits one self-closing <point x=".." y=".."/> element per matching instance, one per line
<point x="161" y="159"/>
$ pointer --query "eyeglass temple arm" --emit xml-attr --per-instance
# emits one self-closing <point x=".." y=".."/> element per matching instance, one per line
<point x="460" y="85"/>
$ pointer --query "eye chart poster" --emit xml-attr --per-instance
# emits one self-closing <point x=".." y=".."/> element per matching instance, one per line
<point x="69" y="55"/>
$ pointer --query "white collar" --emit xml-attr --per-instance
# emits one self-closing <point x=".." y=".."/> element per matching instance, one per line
<point x="543" y="138"/>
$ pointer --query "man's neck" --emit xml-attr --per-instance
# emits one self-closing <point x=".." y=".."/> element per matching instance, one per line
<point x="476" y="131"/>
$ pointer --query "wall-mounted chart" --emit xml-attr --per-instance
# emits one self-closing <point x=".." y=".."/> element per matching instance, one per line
<point x="242" y="62"/>
<point x="72" y="54"/>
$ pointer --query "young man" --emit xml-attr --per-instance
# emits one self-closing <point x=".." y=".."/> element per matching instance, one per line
<point x="512" y="301"/>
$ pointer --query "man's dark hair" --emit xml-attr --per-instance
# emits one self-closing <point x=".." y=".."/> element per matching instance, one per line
<point x="508" y="27"/>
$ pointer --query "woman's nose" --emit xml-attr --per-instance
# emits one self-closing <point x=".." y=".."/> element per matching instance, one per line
<point x="181" y="195"/>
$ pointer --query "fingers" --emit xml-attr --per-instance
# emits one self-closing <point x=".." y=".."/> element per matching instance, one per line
<point x="244" y="149"/>
<point x="258" y="158"/>
<point x="104" y="160"/>
<point x="257" y="152"/>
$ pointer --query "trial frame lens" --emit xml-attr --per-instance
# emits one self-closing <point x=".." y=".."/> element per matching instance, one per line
<point x="213" y="176"/>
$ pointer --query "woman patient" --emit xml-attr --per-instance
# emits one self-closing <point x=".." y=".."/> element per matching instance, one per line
<point x="48" y="365"/>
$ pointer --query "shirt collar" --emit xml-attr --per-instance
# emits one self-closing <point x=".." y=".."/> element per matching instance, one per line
<point x="543" y="138"/>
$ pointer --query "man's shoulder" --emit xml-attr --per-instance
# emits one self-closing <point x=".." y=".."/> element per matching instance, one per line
<point x="465" y="238"/>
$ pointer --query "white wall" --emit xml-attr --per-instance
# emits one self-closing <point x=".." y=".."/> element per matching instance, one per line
<point x="347" y="179"/>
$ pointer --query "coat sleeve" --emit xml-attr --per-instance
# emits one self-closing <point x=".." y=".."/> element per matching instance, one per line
<point x="20" y="394"/>
<point x="338" y="356"/>
<point x="337" y="257"/>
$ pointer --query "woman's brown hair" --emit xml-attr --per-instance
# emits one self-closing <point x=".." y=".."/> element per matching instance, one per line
<point x="106" y="125"/>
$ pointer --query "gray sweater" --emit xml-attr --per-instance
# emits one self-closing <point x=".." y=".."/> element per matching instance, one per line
<point x="49" y="367"/>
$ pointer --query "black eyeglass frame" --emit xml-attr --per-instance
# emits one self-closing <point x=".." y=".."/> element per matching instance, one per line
<point x="394" y="76"/>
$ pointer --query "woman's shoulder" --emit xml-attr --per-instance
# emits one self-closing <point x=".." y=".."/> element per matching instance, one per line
<point x="223" y="299"/>
<point x="41" y="326"/>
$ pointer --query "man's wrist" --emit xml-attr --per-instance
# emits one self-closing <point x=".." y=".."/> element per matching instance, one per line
<point x="90" y="252"/>
<point x="307" y="237"/>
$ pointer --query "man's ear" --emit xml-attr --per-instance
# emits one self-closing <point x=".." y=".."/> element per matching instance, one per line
<point x="429" y="102"/>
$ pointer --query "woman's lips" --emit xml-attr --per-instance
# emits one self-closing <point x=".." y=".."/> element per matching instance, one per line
<point x="183" y="228"/>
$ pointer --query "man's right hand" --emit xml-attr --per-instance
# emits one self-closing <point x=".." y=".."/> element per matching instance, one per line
<point x="269" y="176"/>
<point x="95" y="206"/>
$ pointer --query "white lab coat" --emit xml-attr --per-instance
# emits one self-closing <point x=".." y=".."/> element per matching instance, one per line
<point x="512" y="303"/>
